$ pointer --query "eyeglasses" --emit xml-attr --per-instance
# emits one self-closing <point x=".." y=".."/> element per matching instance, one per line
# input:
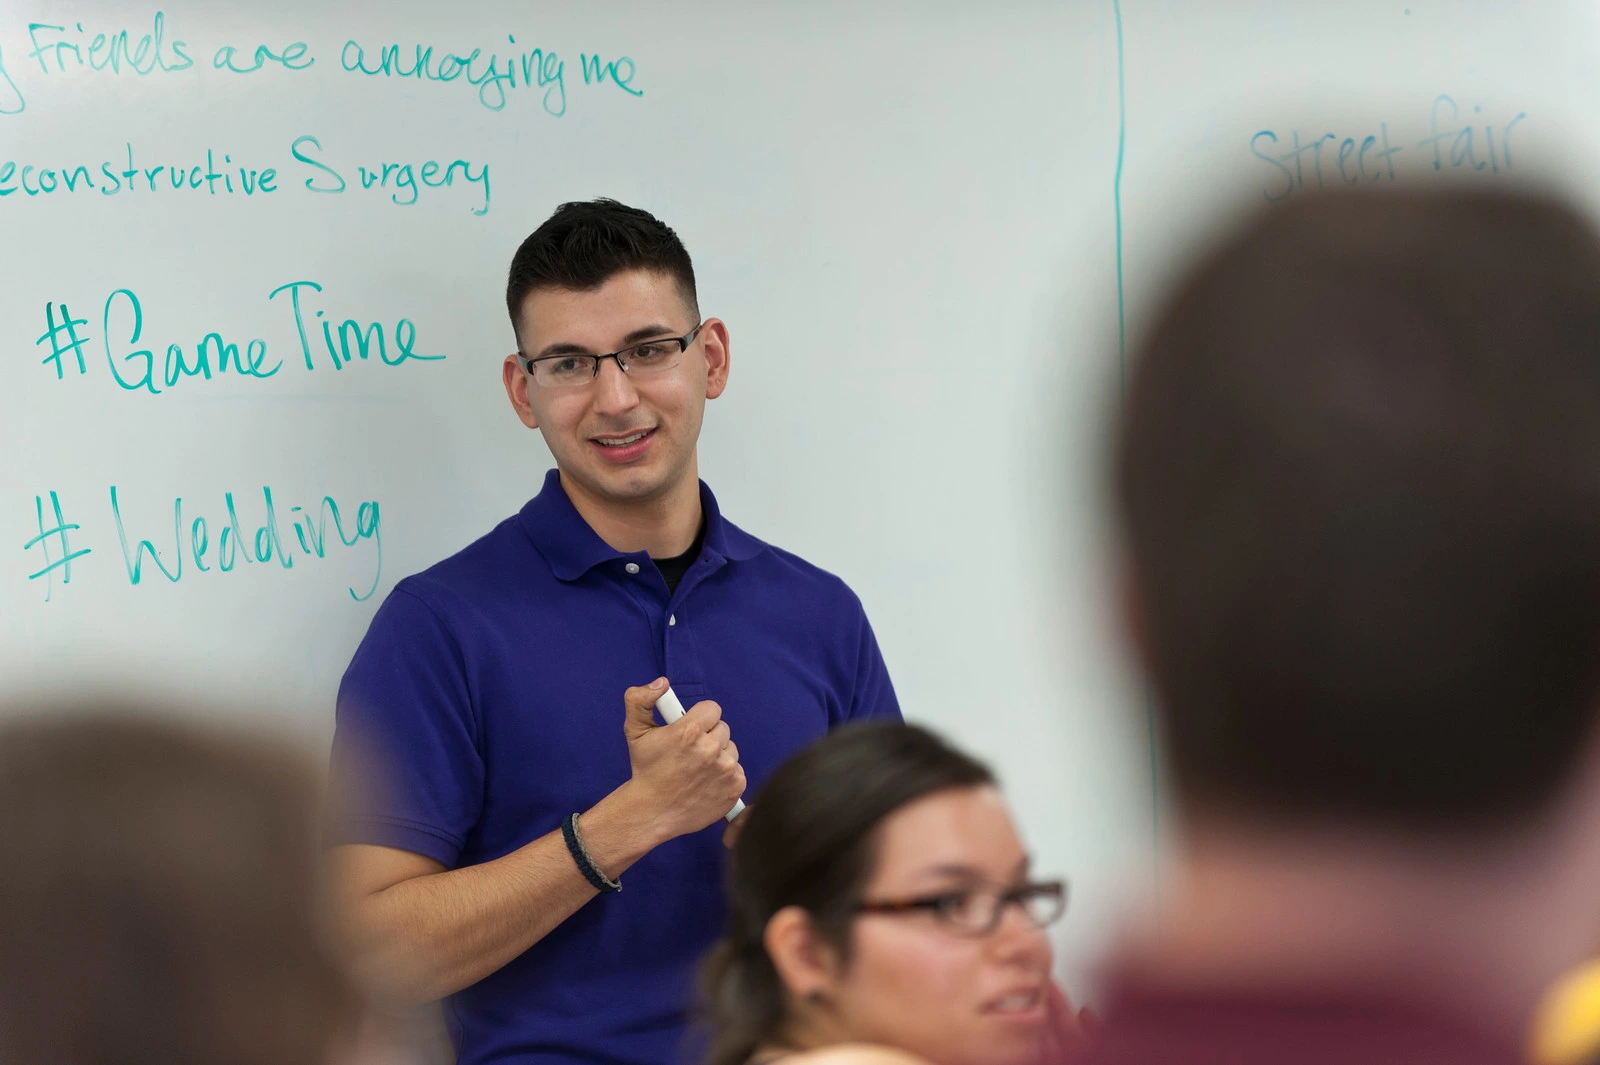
<point x="640" y="360"/>
<point x="978" y="911"/>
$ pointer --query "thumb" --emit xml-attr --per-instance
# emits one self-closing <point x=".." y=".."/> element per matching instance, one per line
<point x="641" y="707"/>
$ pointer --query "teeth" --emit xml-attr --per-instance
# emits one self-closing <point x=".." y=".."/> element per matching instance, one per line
<point x="1018" y="1002"/>
<point x="625" y="441"/>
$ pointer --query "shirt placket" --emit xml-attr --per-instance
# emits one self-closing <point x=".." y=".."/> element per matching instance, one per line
<point x="680" y="650"/>
<point x="670" y="622"/>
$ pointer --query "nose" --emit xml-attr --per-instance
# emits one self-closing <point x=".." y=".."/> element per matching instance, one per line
<point x="613" y="390"/>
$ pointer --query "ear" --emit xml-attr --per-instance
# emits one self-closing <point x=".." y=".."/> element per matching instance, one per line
<point x="714" y="340"/>
<point x="805" y="963"/>
<point x="517" y="384"/>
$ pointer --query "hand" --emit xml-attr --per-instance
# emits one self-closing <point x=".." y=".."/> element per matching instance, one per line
<point x="1067" y="1028"/>
<point x="687" y="773"/>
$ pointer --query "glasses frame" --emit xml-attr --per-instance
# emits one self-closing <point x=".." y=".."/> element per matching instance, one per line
<point x="621" y="357"/>
<point x="1003" y="898"/>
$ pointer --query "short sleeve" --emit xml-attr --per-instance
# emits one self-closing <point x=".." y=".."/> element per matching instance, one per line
<point x="873" y="696"/>
<point x="406" y="769"/>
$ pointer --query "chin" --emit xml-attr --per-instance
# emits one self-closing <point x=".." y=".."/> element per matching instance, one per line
<point x="1011" y="1048"/>
<point x="623" y="485"/>
<point x="635" y="487"/>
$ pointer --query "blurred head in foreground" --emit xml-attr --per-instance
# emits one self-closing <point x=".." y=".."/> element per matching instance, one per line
<point x="158" y="900"/>
<point x="1359" y="485"/>
<point x="878" y="894"/>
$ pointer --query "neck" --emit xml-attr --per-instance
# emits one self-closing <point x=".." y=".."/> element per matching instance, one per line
<point x="663" y="525"/>
<point x="1478" y="933"/>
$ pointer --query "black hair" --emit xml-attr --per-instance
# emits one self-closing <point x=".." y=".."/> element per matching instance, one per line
<point x="584" y="244"/>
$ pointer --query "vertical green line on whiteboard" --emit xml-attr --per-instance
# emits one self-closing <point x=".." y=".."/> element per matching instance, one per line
<point x="1116" y="199"/>
<point x="1122" y="372"/>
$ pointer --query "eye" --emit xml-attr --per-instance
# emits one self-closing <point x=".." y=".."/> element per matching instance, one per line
<point x="569" y="365"/>
<point x="654" y="352"/>
<point x="950" y="905"/>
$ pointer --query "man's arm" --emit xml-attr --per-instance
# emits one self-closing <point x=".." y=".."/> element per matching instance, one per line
<point x="419" y="932"/>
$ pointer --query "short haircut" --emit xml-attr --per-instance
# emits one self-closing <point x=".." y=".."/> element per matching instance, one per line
<point x="585" y="244"/>
<point x="158" y="897"/>
<point x="1359" y="481"/>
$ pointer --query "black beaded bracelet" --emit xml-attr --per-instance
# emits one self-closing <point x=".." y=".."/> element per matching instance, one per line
<point x="580" y="855"/>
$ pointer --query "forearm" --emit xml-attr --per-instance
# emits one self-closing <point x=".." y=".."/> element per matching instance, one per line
<point x="430" y="936"/>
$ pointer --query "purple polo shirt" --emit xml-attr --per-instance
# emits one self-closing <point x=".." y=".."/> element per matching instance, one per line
<point x="487" y="700"/>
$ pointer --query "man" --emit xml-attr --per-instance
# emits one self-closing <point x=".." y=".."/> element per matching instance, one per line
<point x="1359" y="481"/>
<point x="490" y="688"/>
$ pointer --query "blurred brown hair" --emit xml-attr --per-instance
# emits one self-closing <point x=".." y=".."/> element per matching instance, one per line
<point x="158" y="899"/>
<point x="1359" y="476"/>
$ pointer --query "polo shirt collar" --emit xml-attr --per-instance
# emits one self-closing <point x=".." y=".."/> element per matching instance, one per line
<point x="573" y="548"/>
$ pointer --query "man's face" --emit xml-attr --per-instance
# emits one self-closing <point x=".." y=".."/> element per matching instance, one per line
<point x="619" y="438"/>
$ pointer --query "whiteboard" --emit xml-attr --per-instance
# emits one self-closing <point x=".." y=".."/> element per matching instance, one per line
<point x="927" y="226"/>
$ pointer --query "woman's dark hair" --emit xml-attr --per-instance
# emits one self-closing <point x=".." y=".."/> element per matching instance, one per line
<point x="585" y="244"/>
<point x="811" y="840"/>
<point x="158" y="897"/>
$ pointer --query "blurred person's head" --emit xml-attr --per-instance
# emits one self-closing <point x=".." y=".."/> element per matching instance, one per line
<point x="879" y="894"/>
<point x="158" y="899"/>
<point x="1359" y="485"/>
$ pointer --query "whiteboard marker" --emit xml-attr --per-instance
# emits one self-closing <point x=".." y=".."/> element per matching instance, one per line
<point x="671" y="709"/>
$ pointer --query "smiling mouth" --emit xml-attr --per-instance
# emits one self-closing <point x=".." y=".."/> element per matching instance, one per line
<point x="1020" y="1002"/>
<point x="622" y="441"/>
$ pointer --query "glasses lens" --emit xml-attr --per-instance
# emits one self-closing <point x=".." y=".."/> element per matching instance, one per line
<point x="565" y="371"/>
<point x="654" y="357"/>
<point x="1043" y="903"/>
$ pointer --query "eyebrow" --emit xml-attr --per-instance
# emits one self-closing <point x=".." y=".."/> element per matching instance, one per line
<point x="647" y="332"/>
<point x="956" y="870"/>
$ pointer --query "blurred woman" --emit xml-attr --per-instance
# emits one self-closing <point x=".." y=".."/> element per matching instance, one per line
<point x="881" y="905"/>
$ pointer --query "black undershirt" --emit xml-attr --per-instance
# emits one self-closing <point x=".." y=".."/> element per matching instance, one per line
<point x="675" y="567"/>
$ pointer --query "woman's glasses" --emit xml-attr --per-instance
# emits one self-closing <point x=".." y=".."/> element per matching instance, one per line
<point x="977" y="911"/>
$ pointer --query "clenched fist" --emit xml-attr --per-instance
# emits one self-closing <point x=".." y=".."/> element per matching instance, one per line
<point x="689" y="770"/>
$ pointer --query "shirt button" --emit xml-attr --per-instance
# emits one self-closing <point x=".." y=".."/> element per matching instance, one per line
<point x="673" y="620"/>
<point x="632" y="567"/>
